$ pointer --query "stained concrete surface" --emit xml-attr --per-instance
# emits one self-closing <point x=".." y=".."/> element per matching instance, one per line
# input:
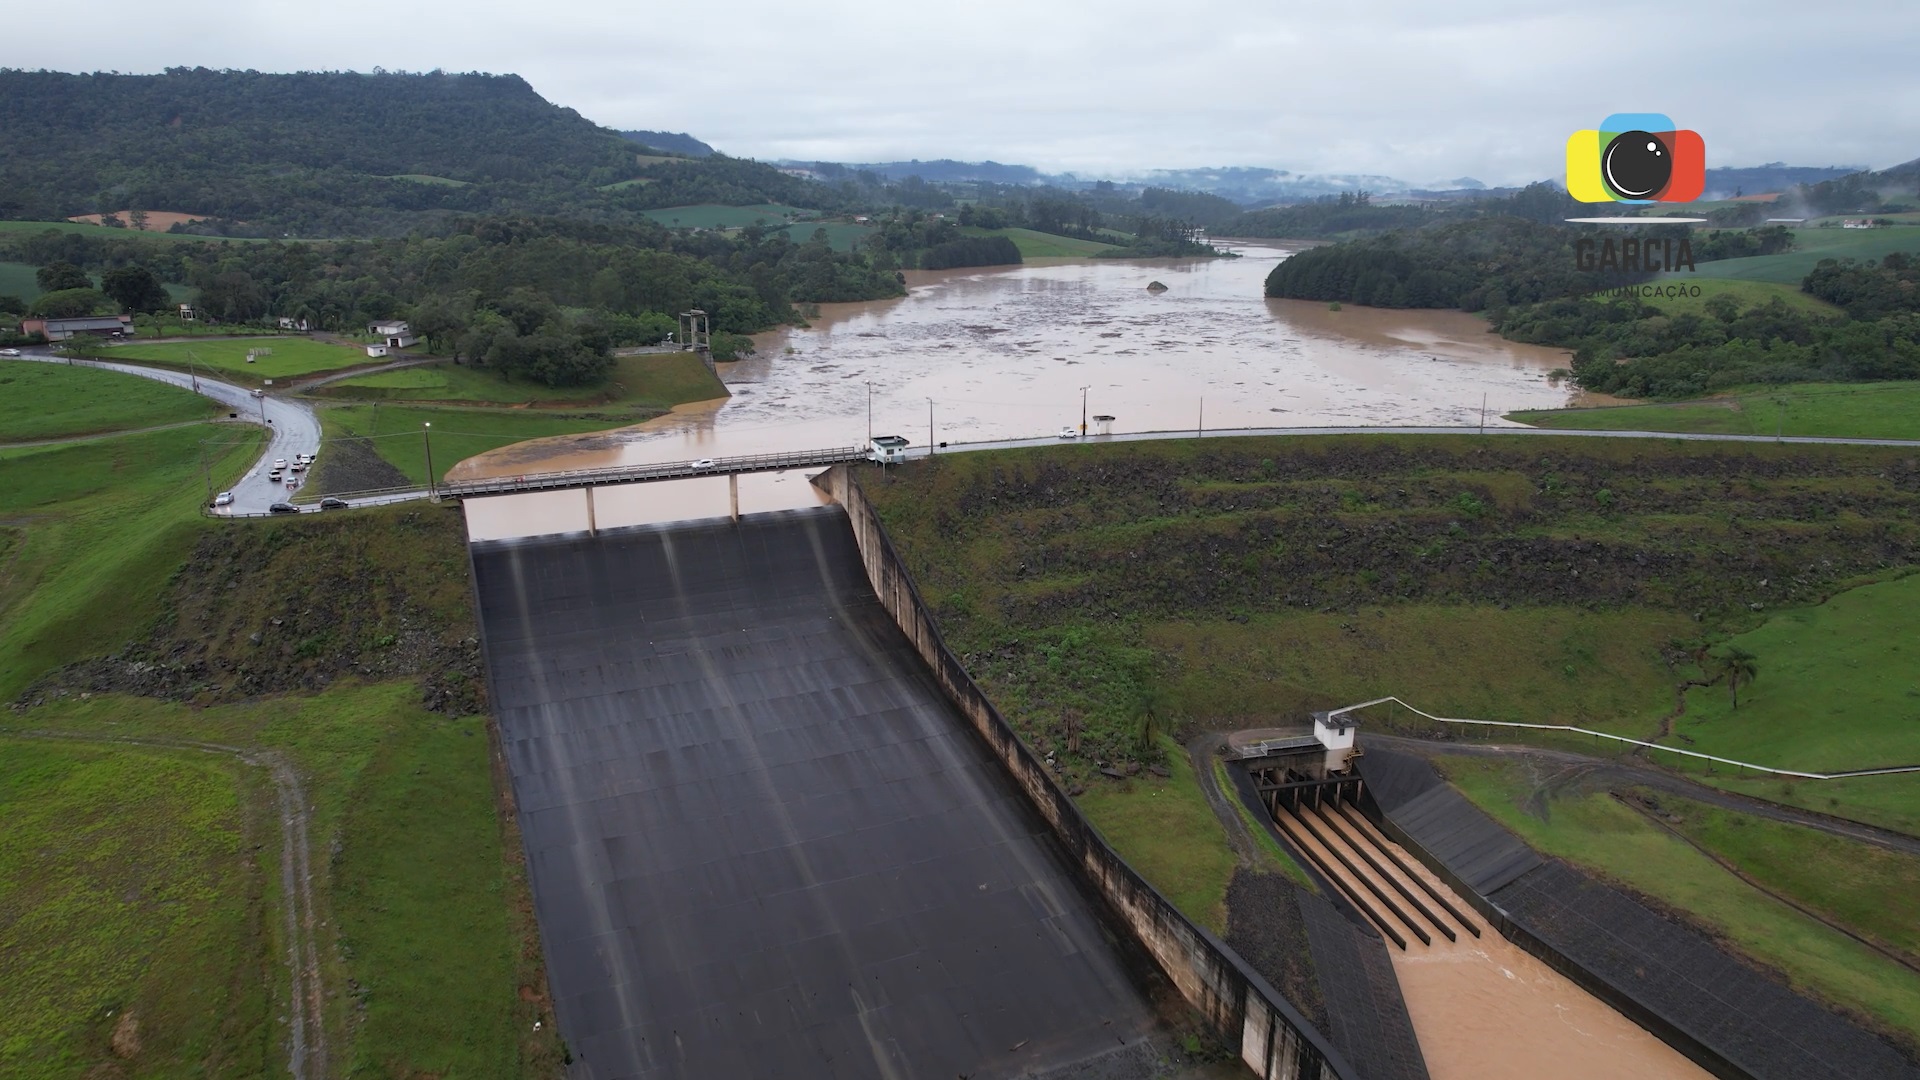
<point x="761" y="843"/>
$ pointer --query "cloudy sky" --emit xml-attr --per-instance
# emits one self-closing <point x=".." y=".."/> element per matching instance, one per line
<point x="1416" y="89"/>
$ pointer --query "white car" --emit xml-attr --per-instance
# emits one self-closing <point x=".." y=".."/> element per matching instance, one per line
<point x="703" y="463"/>
<point x="225" y="498"/>
<point x="9" y="352"/>
<point x="1069" y="433"/>
<point x="279" y="463"/>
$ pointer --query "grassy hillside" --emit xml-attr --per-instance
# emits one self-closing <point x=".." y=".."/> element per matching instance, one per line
<point x="290" y="357"/>
<point x="1039" y="245"/>
<point x="1810" y="246"/>
<point x="1849" y="883"/>
<point x="48" y="401"/>
<point x="1889" y="410"/>
<point x="649" y="382"/>
<point x="140" y="900"/>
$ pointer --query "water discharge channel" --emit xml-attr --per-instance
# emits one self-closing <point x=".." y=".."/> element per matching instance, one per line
<point x="1481" y="1007"/>
<point x="979" y="355"/>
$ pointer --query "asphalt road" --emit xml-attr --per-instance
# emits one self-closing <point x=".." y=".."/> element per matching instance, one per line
<point x="293" y="427"/>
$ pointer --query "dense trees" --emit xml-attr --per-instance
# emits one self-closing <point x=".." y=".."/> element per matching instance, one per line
<point x="971" y="251"/>
<point x="134" y="288"/>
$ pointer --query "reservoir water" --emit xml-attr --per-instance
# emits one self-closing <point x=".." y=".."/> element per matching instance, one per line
<point x="1005" y="353"/>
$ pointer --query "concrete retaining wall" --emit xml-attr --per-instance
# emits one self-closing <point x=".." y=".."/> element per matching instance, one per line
<point x="1275" y="1041"/>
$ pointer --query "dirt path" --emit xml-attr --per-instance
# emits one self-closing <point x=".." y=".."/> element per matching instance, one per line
<point x="1201" y="751"/>
<point x="307" y="1050"/>
<point x="1570" y="771"/>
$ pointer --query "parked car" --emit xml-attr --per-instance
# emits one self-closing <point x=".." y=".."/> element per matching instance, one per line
<point x="298" y="465"/>
<point x="331" y="503"/>
<point x="258" y="393"/>
<point x="9" y="352"/>
<point x="225" y="498"/>
<point x="1069" y="433"/>
<point x="283" y="508"/>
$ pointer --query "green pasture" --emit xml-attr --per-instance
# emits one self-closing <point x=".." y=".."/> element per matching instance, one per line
<point x="1810" y="246"/>
<point x="1884" y="410"/>
<point x="1603" y="834"/>
<point x="49" y="401"/>
<point x="648" y="381"/>
<point x="1039" y="245"/>
<point x="291" y="356"/>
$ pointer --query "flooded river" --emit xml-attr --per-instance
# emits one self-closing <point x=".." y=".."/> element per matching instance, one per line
<point x="1005" y="354"/>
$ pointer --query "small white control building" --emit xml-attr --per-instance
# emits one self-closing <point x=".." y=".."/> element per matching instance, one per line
<point x="1336" y="732"/>
<point x="887" y="449"/>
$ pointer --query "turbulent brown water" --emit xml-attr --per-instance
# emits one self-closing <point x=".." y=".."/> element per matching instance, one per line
<point x="1003" y="354"/>
<point x="1482" y="1008"/>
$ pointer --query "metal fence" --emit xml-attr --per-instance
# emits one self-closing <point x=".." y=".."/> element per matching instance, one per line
<point x="547" y="481"/>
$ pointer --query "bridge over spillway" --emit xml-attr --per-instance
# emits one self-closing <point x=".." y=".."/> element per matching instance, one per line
<point x="761" y="841"/>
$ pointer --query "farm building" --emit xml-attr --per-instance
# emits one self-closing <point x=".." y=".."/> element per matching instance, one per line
<point x="62" y="329"/>
<point x="1858" y="223"/>
<point x="397" y="334"/>
<point x="288" y="323"/>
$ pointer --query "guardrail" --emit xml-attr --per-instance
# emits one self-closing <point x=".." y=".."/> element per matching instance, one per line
<point x="628" y="474"/>
<point x="1886" y="771"/>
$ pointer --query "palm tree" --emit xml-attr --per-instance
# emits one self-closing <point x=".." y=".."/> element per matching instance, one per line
<point x="1737" y="664"/>
<point x="1149" y="709"/>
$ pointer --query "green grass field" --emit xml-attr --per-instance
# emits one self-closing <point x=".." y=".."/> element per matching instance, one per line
<point x="1810" y="246"/>
<point x="126" y="889"/>
<point x="709" y="216"/>
<point x="292" y="356"/>
<point x="1839" y="687"/>
<point x="95" y="528"/>
<point x="1166" y="831"/>
<point x="417" y="893"/>
<point x="1039" y="245"/>
<point x="457" y="434"/>
<point x="1599" y="832"/>
<point x="1886" y="410"/>
<point x="841" y="235"/>
<point x="653" y="380"/>
<point x="16" y="279"/>
<point x="48" y="401"/>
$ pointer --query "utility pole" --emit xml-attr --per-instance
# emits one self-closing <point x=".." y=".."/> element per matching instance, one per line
<point x="1202" y="429"/>
<point x="1083" y="412"/>
<point x="1483" y="414"/>
<point x="869" y="411"/>
<point x="426" y="440"/>
<point x="929" y="428"/>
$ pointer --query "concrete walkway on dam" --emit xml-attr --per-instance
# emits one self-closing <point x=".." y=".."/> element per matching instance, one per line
<point x="761" y="842"/>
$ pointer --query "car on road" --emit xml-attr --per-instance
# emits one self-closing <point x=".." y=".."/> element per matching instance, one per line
<point x="703" y="463"/>
<point x="298" y="465"/>
<point x="283" y="508"/>
<point x="1069" y="433"/>
<point x="9" y="352"/>
<point x="279" y="463"/>
<point x="331" y="503"/>
<point x="258" y="393"/>
<point x="225" y="498"/>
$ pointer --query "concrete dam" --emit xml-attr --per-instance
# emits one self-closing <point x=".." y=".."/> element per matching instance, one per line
<point x="761" y="841"/>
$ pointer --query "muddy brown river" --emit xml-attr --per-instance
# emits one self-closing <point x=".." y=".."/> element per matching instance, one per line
<point x="1004" y="354"/>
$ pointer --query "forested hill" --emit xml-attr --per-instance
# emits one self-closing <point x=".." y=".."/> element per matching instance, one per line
<point x="329" y="153"/>
<point x="672" y="142"/>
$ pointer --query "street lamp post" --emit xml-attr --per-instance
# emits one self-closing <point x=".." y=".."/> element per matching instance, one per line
<point x="1083" y="412"/>
<point x="869" y="412"/>
<point x="929" y="427"/>
<point x="426" y="440"/>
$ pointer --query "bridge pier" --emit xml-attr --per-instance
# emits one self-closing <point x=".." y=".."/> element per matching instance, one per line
<point x="591" y="529"/>
<point x="733" y="495"/>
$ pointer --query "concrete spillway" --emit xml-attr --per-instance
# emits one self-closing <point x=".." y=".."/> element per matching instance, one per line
<point x="761" y="843"/>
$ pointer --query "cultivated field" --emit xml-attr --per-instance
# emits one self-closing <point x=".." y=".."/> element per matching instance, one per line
<point x="16" y="279"/>
<point x="1039" y="245"/>
<point x="648" y="381"/>
<point x="841" y="235"/>
<point x="158" y="221"/>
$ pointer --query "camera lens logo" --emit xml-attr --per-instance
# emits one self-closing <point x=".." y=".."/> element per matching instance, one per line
<point x="1636" y="158"/>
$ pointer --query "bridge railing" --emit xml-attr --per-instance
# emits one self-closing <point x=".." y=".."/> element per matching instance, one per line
<point x="569" y="478"/>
